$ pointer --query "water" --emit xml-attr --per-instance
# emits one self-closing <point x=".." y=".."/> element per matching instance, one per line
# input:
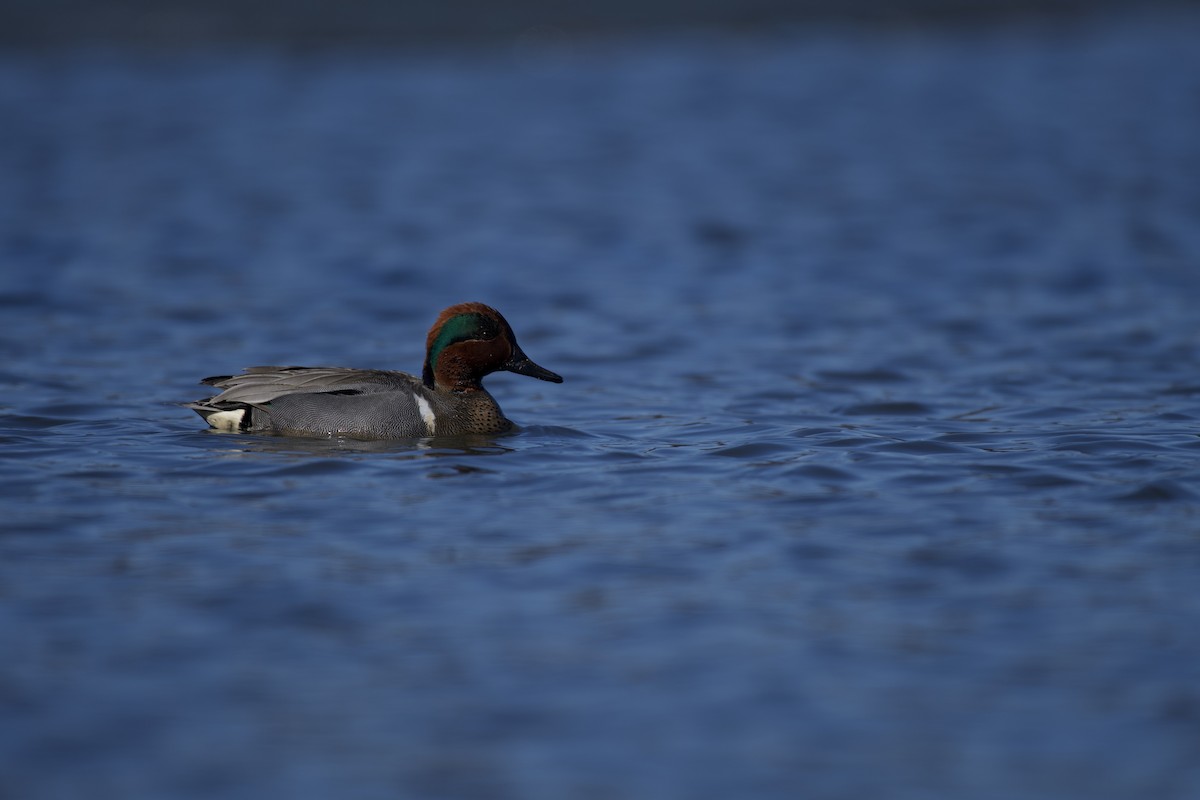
<point x="873" y="474"/>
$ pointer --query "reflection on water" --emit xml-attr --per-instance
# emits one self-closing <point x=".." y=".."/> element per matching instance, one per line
<point x="304" y="448"/>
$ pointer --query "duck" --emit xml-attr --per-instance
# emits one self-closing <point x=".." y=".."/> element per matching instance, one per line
<point x="467" y="342"/>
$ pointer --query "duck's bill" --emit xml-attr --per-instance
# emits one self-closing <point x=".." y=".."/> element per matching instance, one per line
<point x="521" y="365"/>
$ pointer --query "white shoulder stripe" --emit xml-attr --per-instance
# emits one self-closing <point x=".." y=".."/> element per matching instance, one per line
<point x="426" y="414"/>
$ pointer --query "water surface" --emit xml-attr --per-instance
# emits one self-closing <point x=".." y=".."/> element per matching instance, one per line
<point x="873" y="474"/>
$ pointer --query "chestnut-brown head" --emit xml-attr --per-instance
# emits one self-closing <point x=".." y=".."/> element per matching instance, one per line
<point x="469" y="341"/>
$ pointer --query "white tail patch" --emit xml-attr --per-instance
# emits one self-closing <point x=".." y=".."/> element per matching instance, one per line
<point x="227" y="420"/>
<point x="427" y="414"/>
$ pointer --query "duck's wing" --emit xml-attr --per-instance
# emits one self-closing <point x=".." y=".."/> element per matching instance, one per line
<point x="258" y="385"/>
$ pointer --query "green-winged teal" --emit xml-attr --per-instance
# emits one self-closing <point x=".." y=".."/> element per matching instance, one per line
<point x="467" y="342"/>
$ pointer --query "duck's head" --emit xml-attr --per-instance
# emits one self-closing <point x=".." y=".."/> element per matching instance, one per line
<point x="469" y="341"/>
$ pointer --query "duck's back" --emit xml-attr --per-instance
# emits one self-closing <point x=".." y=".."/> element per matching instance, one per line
<point x="264" y="384"/>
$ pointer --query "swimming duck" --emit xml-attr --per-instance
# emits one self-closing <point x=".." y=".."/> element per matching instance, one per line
<point x="467" y="342"/>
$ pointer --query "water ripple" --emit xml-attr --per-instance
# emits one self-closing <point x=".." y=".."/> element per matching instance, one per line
<point x="874" y="469"/>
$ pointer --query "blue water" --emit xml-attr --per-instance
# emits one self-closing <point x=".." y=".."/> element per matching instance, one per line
<point x="874" y="473"/>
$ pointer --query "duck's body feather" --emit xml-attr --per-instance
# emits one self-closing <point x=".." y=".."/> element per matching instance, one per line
<point x="264" y="384"/>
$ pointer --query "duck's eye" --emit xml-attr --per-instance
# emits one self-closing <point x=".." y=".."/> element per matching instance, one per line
<point x="487" y="329"/>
